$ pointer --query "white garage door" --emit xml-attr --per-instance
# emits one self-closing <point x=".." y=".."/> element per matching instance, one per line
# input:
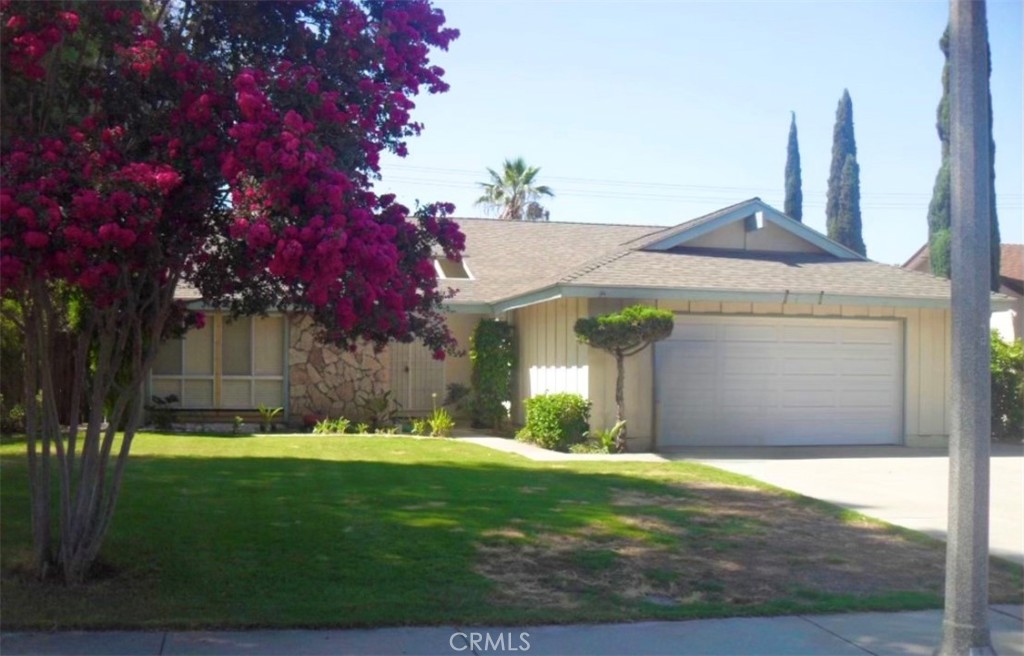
<point x="779" y="381"/>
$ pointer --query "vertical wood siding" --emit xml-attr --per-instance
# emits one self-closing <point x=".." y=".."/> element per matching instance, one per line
<point x="551" y="360"/>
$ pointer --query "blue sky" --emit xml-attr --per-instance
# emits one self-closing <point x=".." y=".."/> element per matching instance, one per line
<point x="657" y="112"/>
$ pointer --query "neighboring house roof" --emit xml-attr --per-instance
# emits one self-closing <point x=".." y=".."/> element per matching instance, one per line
<point x="518" y="263"/>
<point x="1011" y="266"/>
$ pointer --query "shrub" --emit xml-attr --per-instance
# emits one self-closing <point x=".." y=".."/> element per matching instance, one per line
<point x="164" y="411"/>
<point x="331" y="426"/>
<point x="441" y="423"/>
<point x="378" y="410"/>
<point x="1007" y="389"/>
<point x="267" y="416"/>
<point x="600" y="441"/>
<point x="421" y="427"/>
<point x="556" y="421"/>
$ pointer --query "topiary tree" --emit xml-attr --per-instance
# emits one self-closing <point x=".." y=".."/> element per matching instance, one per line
<point x="624" y="334"/>
<point x="493" y="354"/>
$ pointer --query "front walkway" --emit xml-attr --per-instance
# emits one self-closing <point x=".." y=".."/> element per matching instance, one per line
<point x="534" y="452"/>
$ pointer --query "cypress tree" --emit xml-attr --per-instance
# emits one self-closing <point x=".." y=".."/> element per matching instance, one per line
<point x="845" y="228"/>
<point x="938" y="208"/>
<point x="848" y="223"/>
<point x="794" y="206"/>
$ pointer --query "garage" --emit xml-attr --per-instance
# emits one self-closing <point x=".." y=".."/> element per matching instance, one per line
<point x="776" y="381"/>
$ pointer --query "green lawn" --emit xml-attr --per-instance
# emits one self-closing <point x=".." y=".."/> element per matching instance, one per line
<point x="312" y="531"/>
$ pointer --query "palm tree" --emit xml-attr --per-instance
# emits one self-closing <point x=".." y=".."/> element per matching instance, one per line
<point x="512" y="193"/>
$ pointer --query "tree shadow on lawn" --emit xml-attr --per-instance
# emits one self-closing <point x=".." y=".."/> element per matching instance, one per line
<point x="235" y="542"/>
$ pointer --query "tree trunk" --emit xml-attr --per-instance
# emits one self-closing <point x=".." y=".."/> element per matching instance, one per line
<point x="115" y="347"/>
<point x="38" y="449"/>
<point x="620" y="402"/>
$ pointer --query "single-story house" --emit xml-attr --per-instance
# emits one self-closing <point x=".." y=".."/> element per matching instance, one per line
<point x="782" y="336"/>
<point x="1009" y="321"/>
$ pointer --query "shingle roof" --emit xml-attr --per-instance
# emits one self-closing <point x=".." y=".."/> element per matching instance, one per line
<point x="1011" y="266"/>
<point x="1011" y="261"/>
<point x="724" y="270"/>
<point x="508" y="258"/>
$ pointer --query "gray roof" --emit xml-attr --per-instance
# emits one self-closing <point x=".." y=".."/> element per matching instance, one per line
<point x="510" y="260"/>
<point x="803" y="273"/>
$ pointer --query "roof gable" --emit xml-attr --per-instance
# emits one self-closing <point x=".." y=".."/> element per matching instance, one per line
<point x="751" y="214"/>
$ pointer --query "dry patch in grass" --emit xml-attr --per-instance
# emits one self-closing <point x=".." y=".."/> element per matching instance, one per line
<point x="717" y="544"/>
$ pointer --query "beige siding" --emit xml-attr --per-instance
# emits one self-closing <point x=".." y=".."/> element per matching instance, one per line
<point x="773" y="238"/>
<point x="458" y="369"/>
<point x="770" y="237"/>
<point x="550" y="358"/>
<point x="927" y="361"/>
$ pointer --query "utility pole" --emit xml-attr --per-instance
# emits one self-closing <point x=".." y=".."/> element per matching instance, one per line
<point x="965" y="628"/>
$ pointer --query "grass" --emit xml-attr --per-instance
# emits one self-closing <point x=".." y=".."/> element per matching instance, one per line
<point x="321" y="531"/>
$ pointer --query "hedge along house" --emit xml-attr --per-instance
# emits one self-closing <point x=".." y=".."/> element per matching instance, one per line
<point x="782" y="336"/>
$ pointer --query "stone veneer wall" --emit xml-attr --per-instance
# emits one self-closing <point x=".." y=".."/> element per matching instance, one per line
<point x="325" y="380"/>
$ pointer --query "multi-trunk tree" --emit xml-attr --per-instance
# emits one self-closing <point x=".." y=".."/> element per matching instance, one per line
<point x="794" y="204"/>
<point x="226" y="145"/>
<point x="623" y="334"/>
<point x="842" y="204"/>
<point x="938" y="209"/>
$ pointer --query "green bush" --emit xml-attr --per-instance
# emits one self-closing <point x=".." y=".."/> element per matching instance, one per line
<point x="1007" y="389"/>
<point x="556" y="421"/>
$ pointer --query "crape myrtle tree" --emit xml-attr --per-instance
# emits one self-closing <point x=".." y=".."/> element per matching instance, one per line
<point x="623" y="334"/>
<point x="227" y="145"/>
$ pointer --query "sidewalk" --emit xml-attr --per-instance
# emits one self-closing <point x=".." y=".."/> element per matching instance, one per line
<point x="857" y="634"/>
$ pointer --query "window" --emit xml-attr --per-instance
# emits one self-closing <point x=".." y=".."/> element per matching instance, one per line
<point x="450" y="269"/>
<point x="229" y="364"/>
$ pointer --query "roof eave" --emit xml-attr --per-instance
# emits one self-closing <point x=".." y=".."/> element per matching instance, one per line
<point x="785" y="297"/>
<point x="772" y="215"/>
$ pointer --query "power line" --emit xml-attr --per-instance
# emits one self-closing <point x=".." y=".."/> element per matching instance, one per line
<point x="870" y="201"/>
<point x="894" y="198"/>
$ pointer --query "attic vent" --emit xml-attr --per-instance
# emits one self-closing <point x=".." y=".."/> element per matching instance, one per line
<point x="755" y="221"/>
<point x="450" y="269"/>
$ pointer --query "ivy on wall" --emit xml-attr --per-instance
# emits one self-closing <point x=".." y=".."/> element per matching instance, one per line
<point x="493" y="354"/>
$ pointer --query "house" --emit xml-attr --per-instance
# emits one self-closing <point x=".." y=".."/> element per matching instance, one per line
<point x="782" y="336"/>
<point x="1009" y="321"/>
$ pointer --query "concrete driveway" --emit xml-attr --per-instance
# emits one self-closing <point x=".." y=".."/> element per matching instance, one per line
<point x="900" y="485"/>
